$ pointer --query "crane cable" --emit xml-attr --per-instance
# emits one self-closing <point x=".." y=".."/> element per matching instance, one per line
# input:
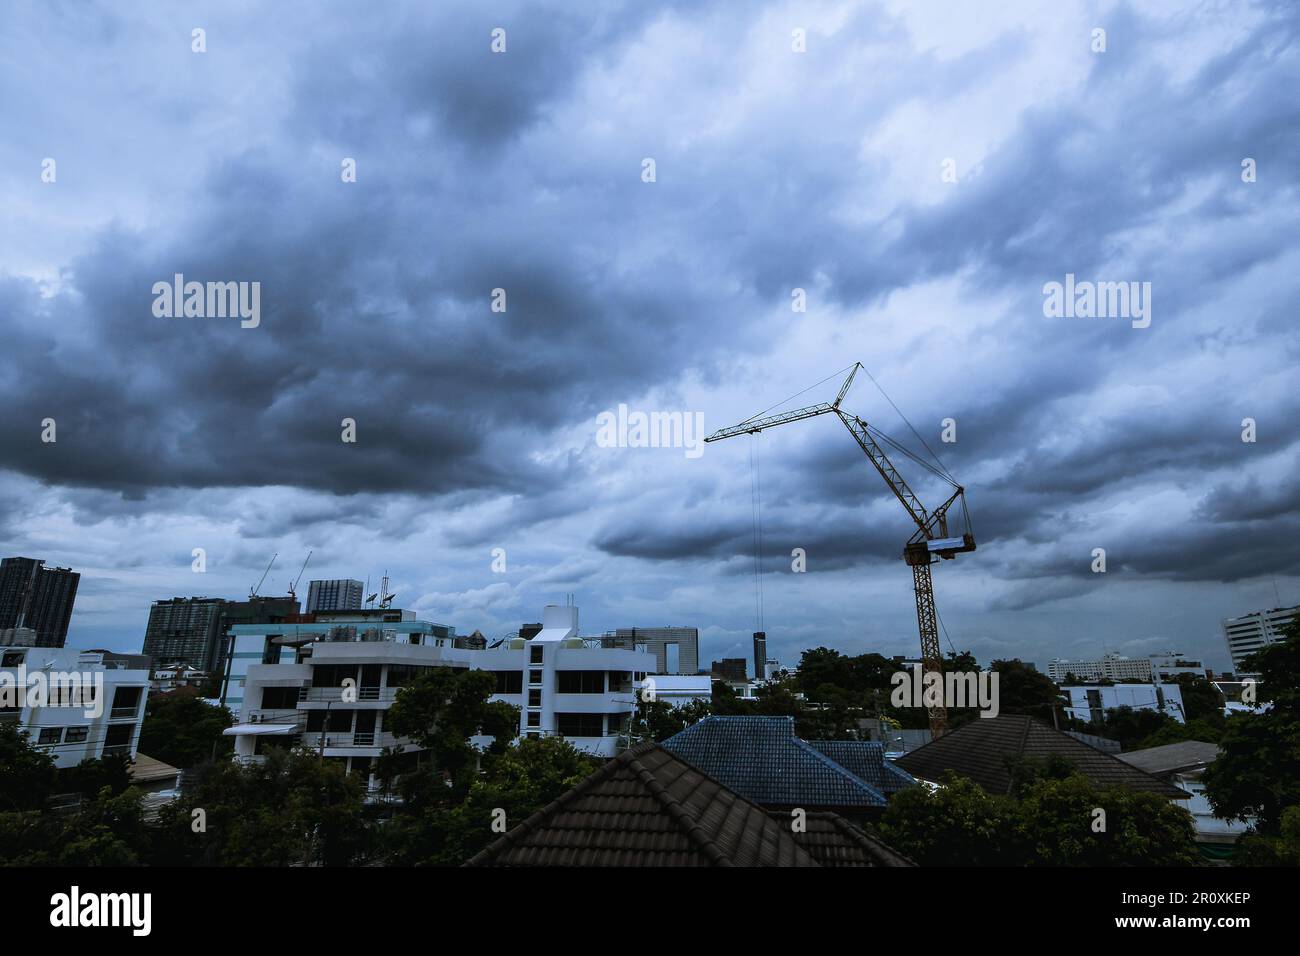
<point x="756" y="503"/>
<point x="944" y="472"/>
<point x="796" y="394"/>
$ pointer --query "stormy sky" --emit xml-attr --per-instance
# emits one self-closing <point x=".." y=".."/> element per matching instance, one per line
<point x="829" y="170"/>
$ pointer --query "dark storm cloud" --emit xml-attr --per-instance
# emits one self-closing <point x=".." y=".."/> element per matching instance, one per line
<point x="521" y="171"/>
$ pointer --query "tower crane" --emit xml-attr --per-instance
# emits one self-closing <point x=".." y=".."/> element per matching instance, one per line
<point x="932" y="541"/>
<point x="293" y="588"/>
<point x="252" y="592"/>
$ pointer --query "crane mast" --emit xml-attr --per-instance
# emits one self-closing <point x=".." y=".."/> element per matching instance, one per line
<point x="930" y="542"/>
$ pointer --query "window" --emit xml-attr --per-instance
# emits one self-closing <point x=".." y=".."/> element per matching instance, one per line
<point x="535" y="655"/>
<point x="535" y="697"/>
<point x="580" y="682"/>
<point x="50" y="735"/>
<point x="126" y="698"/>
<point x="399" y="675"/>
<point x="580" y="725"/>
<point x="279" y="698"/>
<point x="12" y="658"/>
<point x="510" y="682"/>
<point x="534" y="677"/>
<point x="76" y="735"/>
<point x="534" y="719"/>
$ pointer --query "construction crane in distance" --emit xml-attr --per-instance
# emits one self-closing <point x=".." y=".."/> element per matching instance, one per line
<point x="932" y="539"/>
<point x="293" y="588"/>
<point x="252" y="593"/>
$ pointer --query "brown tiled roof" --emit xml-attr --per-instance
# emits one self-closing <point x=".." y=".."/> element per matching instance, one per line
<point x="980" y="750"/>
<point x="833" y="841"/>
<point x="647" y="807"/>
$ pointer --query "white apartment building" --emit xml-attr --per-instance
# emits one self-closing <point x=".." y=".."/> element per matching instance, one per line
<point x="568" y="686"/>
<point x="1167" y="666"/>
<point x="101" y="716"/>
<point x="1108" y="667"/>
<point x="1090" y="703"/>
<point x="328" y="684"/>
<point x="682" y="689"/>
<point x="1251" y="632"/>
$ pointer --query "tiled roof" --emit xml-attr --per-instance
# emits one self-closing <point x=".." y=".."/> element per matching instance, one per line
<point x="833" y="841"/>
<point x="865" y="759"/>
<point x="980" y="750"/>
<point x="647" y="808"/>
<point x="1184" y="755"/>
<point x="762" y="760"/>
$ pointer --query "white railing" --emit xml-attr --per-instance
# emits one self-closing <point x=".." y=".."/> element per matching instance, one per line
<point x="335" y="694"/>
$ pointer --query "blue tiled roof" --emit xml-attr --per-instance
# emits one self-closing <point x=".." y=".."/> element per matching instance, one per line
<point x="866" y="759"/>
<point x="761" y="759"/>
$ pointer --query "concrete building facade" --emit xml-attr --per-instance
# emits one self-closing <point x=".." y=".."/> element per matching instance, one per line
<point x="1253" y="632"/>
<point x="93" y="705"/>
<point x="676" y="649"/>
<point x="327" y="684"/>
<point x="1114" y="667"/>
<point x="337" y="594"/>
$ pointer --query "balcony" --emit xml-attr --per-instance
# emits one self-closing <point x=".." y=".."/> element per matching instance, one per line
<point x="348" y="739"/>
<point x="335" y="694"/>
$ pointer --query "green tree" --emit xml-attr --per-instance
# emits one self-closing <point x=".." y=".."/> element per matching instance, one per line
<point x="514" y="784"/>
<point x="108" y="830"/>
<point x="1136" y="729"/>
<point x="958" y="824"/>
<point x="441" y="709"/>
<point x="1257" y="774"/>
<point x="27" y="775"/>
<point x="182" y="730"/>
<point x="89" y="777"/>
<point x="1022" y="690"/>
<point x="292" y="808"/>
<point x="1058" y="824"/>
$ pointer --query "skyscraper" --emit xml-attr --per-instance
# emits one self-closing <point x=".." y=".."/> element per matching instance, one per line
<point x="36" y="597"/>
<point x="760" y="655"/>
<point x="339" y="594"/>
<point x="185" y="629"/>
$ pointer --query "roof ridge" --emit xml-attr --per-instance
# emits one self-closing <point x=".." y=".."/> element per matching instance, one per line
<point x="1093" y="752"/>
<point x="692" y="827"/>
<point x="1020" y="751"/>
<point x="866" y="840"/>
<point x="526" y="826"/>
<point x="839" y="767"/>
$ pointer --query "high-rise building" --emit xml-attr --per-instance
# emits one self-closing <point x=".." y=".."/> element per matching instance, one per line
<point x="185" y="630"/>
<point x="760" y="655"/>
<point x="676" y="649"/>
<point x="338" y="594"/>
<point x="36" y="597"/>
<point x="1253" y="632"/>
<point x="195" y="630"/>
